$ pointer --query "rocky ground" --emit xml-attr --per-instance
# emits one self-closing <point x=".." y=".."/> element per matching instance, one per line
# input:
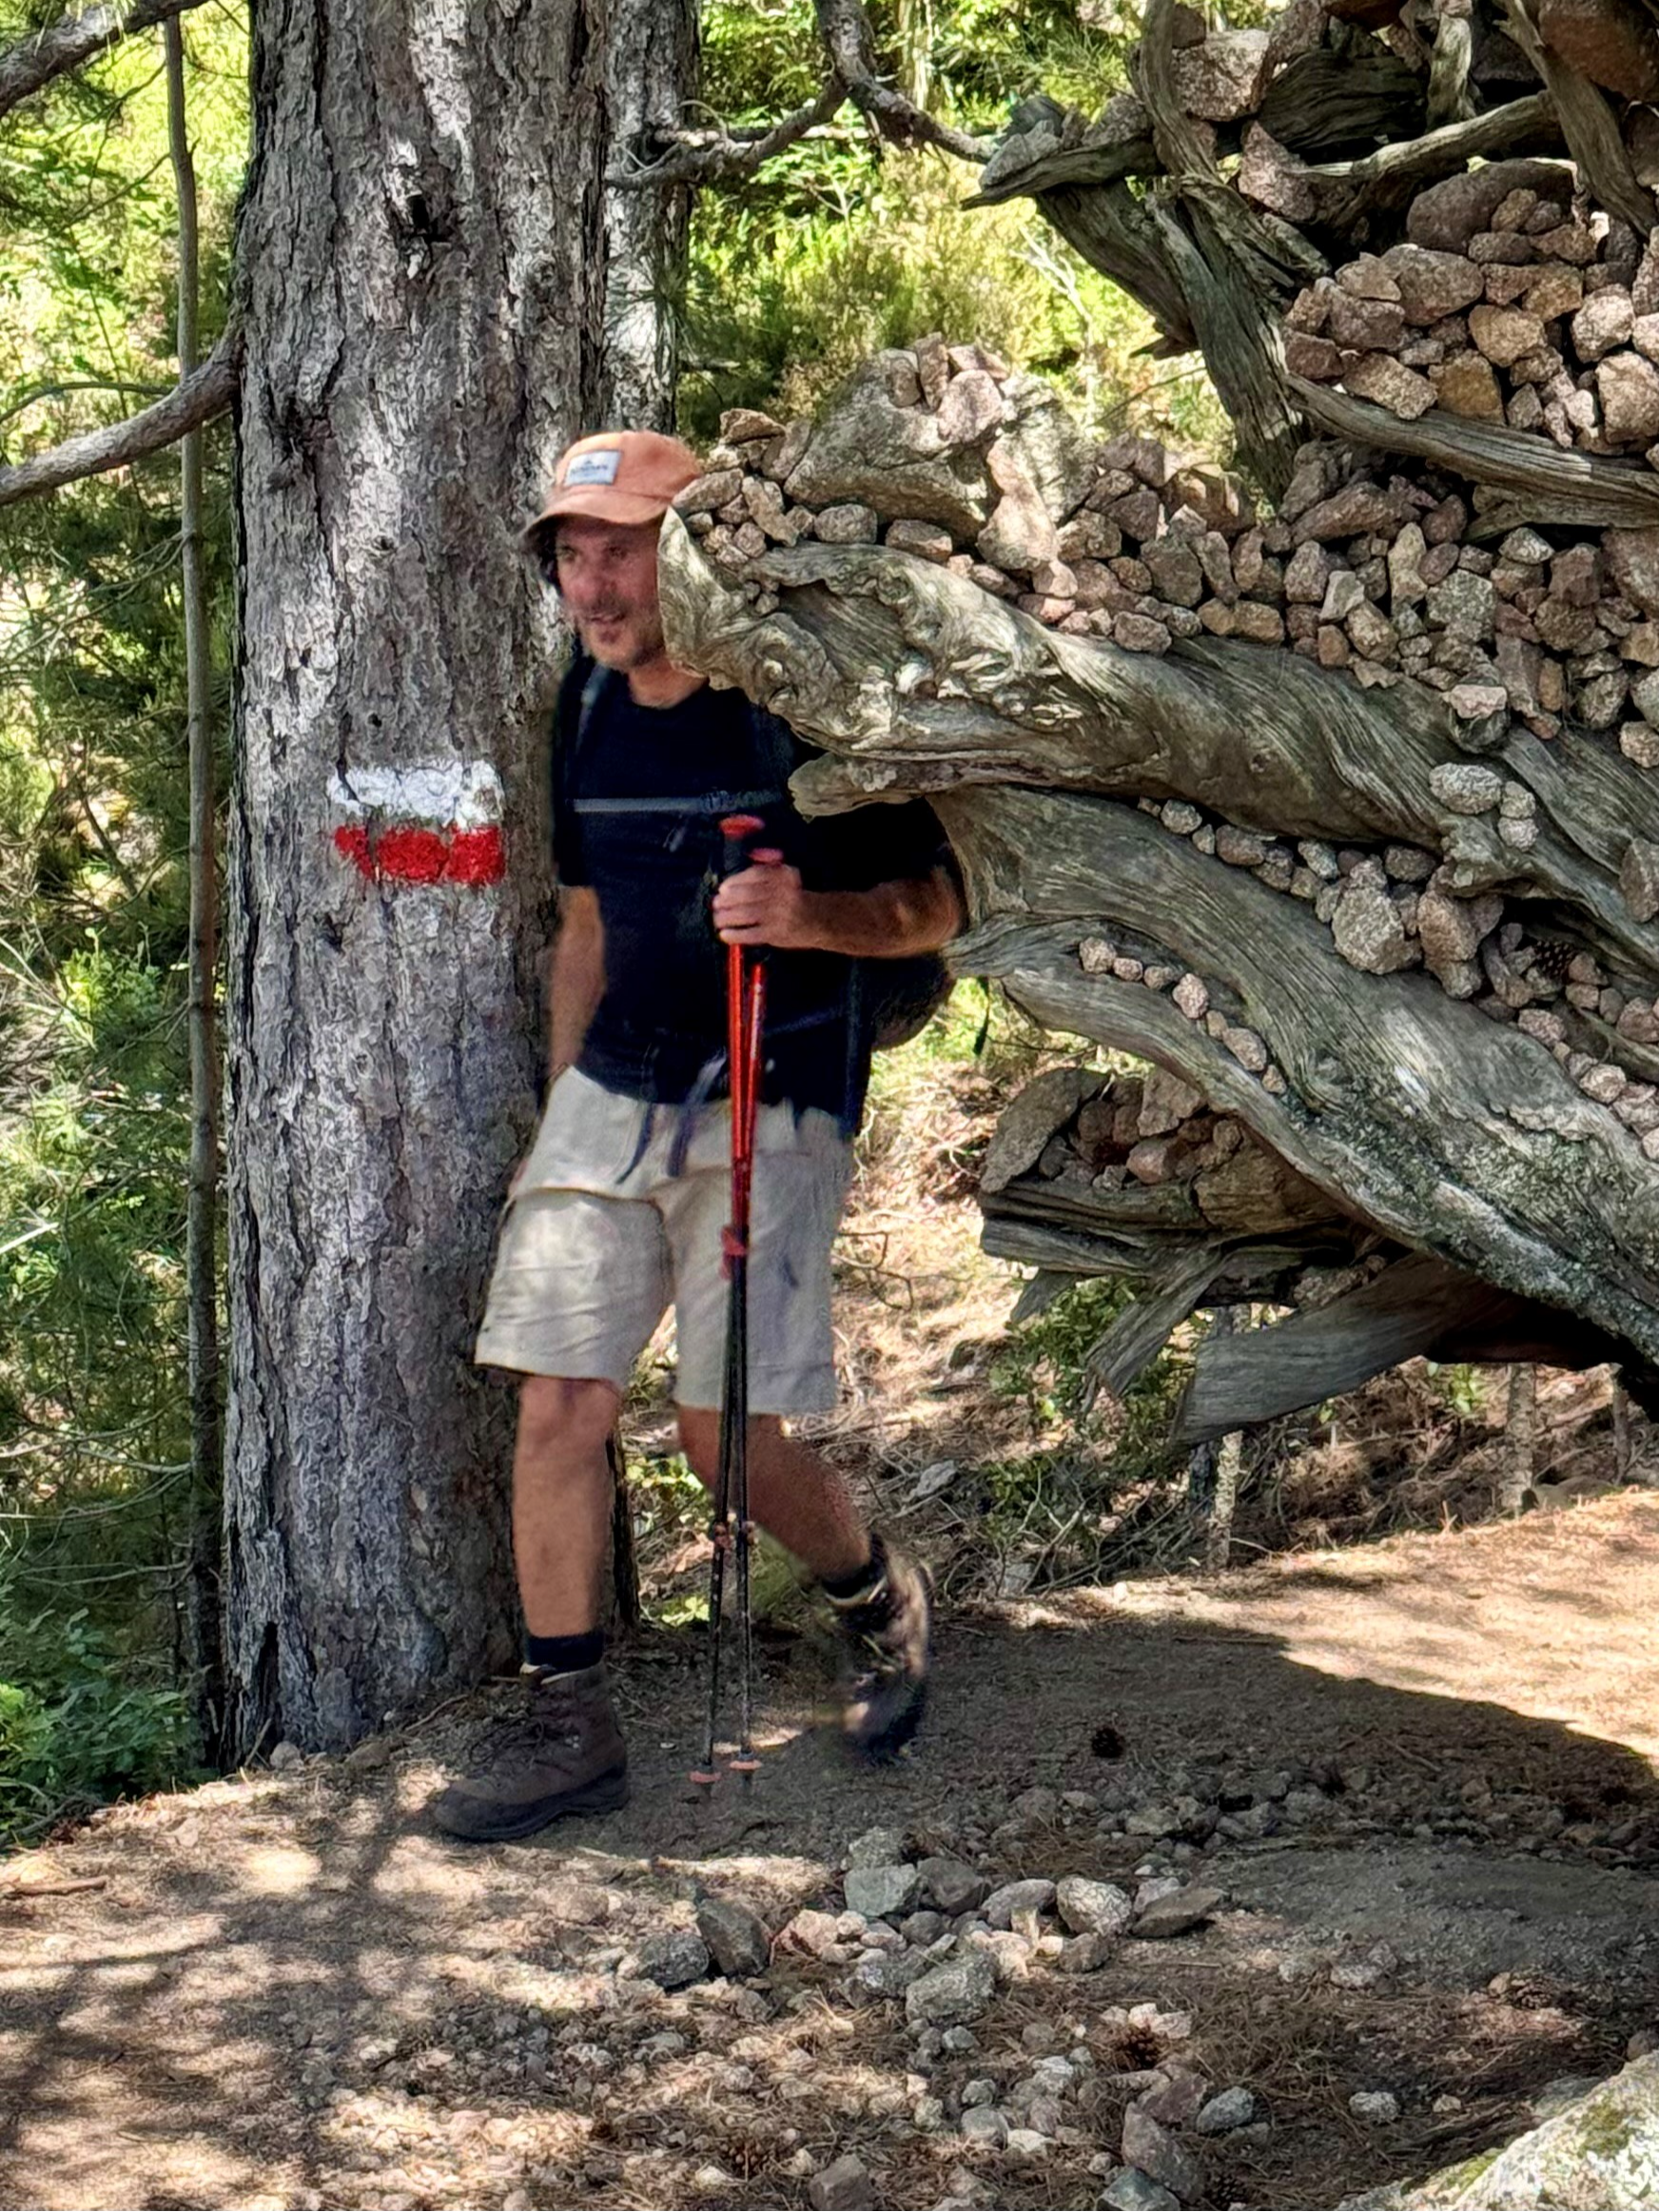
<point x="1262" y="1891"/>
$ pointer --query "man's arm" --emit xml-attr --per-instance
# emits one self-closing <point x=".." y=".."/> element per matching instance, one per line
<point x="575" y="978"/>
<point x="771" y="906"/>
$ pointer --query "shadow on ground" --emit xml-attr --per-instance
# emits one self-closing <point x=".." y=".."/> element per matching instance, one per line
<point x="286" y="1990"/>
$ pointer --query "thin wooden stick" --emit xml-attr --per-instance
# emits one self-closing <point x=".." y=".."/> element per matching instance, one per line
<point x="202" y="1218"/>
<point x="1520" y="1450"/>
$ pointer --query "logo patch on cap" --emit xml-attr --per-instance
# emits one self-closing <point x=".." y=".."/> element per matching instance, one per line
<point x="597" y="467"/>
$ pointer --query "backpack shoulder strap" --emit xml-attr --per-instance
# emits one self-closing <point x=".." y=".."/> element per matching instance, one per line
<point x="778" y="751"/>
<point x="578" y="695"/>
<point x="593" y="690"/>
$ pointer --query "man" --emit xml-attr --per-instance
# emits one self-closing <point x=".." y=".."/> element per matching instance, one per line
<point x="619" y="1208"/>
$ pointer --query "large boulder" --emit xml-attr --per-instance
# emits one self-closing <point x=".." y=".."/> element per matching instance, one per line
<point x="1600" y="2155"/>
<point x="1054" y="451"/>
<point x="1447" y="216"/>
<point x="1614" y="43"/>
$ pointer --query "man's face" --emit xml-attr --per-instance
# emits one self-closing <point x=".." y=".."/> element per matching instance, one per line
<point x="606" y="578"/>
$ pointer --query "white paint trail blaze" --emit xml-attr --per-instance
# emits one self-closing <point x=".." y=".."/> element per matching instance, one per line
<point x="429" y="822"/>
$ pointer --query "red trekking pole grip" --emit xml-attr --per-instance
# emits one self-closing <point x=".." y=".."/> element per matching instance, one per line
<point x="737" y="829"/>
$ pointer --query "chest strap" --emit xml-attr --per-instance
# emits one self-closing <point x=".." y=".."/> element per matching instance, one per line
<point x="710" y="803"/>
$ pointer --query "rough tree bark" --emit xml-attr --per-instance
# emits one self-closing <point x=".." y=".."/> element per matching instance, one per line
<point x="437" y="291"/>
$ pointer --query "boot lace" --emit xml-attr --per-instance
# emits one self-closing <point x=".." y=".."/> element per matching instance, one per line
<point x="551" y="1719"/>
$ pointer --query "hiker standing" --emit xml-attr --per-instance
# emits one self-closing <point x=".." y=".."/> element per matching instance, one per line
<point x="619" y="1208"/>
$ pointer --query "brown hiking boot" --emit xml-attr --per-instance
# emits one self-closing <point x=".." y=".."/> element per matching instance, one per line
<point x="563" y="1754"/>
<point x="887" y="1629"/>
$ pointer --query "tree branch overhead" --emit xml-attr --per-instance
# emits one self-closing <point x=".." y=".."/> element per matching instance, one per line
<point x="33" y="63"/>
<point x="196" y="399"/>
<point x="709" y="156"/>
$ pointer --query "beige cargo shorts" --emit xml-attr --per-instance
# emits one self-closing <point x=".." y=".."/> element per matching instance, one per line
<point x="600" y="1238"/>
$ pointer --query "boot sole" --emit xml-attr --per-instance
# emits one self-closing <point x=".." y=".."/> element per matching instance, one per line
<point x="607" y="1794"/>
<point x="879" y="1748"/>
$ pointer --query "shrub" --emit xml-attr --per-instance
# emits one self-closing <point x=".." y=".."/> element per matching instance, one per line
<point x="75" y="1728"/>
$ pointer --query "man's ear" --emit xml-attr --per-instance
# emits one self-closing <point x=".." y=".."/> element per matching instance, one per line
<point x="541" y="543"/>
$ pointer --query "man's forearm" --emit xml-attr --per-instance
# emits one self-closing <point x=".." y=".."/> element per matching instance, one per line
<point x="891" y="921"/>
<point x="576" y="983"/>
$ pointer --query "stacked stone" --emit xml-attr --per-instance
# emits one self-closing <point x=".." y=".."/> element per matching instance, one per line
<point x="954" y="460"/>
<point x="1127" y="1134"/>
<point x="1396" y="909"/>
<point x="1139" y="1129"/>
<point x="1373" y="577"/>
<point x="1503" y="305"/>
<point x="1544" y="343"/>
<point x="1140" y="548"/>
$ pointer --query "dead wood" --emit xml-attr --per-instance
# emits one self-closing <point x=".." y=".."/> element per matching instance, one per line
<point x="1547" y="484"/>
<point x="1418" y="1307"/>
<point x="1328" y="813"/>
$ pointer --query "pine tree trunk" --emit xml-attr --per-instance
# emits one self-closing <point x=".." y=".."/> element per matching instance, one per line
<point x="437" y="291"/>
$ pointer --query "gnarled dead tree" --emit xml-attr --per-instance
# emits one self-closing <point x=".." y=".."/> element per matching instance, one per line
<point x="1342" y="810"/>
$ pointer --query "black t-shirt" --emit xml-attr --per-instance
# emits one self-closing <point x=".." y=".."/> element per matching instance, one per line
<point x="660" y="1031"/>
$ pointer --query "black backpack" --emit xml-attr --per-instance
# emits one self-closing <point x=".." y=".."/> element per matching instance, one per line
<point x="892" y="1000"/>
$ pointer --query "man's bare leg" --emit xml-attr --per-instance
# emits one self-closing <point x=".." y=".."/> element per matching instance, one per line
<point x="883" y="1599"/>
<point x="794" y="1493"/>
<point x="562" y="1501"/>
<point x="571" y="1757"/>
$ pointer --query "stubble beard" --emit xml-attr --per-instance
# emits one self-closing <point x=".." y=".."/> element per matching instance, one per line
<point x="639" y="642"/>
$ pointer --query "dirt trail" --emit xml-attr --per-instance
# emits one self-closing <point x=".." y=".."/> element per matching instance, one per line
<point x="283" y="1991"/>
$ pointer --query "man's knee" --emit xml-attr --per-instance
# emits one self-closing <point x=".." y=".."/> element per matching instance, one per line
<point x="565" y="1417"/>
<point x="700" y="1438"/>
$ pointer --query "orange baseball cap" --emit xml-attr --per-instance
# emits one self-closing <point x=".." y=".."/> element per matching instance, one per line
<point x="620" y="476"/>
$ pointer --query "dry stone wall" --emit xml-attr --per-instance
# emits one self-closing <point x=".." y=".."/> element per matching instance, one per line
<point x="1392" y="722"/>
<point x="1363" y="569"/>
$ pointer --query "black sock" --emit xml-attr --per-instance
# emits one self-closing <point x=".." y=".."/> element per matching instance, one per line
<point x="565" y="1654"/>
<point x="845" y="1588"/>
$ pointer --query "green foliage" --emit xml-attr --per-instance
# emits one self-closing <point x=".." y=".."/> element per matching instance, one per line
<point x="76" y="1729"/>
<point x="842" y="246"/>
<point x="1093" y="1493"/>
<point x="671" y="1518"/>
<point x="1462" y="1387"/>
<point x="93" y="915"/>
<point x="1041" y="1363"/>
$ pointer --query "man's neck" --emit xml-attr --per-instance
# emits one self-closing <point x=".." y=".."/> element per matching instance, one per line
<point x="659" y="683"/>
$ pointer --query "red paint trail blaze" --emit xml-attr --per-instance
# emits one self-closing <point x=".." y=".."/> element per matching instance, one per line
<point x="410" y="855"/>
<point x="473" y="857"/>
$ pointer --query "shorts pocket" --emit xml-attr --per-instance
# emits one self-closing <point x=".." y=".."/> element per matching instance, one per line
<point x="587" y="1140"/>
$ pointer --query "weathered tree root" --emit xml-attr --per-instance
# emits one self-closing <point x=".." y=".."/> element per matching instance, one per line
<point x="1455" y="1135"/>
<point x="1421" y="698"/>
<point x="914" y="680"/>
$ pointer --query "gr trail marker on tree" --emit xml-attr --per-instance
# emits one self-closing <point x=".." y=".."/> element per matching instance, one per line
<point x="439" y="283"/>
<point x="428" y="823"/>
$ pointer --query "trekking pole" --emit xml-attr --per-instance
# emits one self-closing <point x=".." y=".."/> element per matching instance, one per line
<point x="729" y="1528"/>
<point x="734" y="1407"/>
